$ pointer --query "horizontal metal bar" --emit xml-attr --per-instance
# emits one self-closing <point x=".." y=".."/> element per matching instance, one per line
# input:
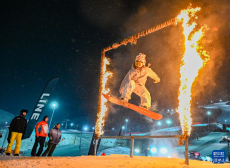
<point x="133" y="39"/>
<point x="138" y="137"/>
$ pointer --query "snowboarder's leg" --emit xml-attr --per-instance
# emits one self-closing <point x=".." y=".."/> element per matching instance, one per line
<point x="47" y="150"/>
<point x="41" y="143"/>
<point x="34" y="149"/>
<point x="52" y="149"/>
<point x="12" y="138"/>
<point x="127" y="90"/>
<point x="144" y="95"/>
<point x="18" y="143"/>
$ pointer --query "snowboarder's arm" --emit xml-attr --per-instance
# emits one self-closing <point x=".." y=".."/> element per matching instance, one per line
<point x="50" y="134"/>
<point x="36" y="128"/>
<point x="51" y="131"/>
<point x="12" y="124"/>
<point x="154" y="76"/>
<point x="130" y="75"/>
<point x="24" y="129"/>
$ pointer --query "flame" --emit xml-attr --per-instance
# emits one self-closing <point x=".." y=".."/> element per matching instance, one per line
<point x="103" y="108"/>
<point x="194" y="58"/>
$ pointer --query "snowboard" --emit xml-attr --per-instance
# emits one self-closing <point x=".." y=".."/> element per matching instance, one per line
<point x="138" y="109"/>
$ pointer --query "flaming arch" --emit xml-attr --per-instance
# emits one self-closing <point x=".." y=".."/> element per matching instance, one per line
<point x="193" y="59"/>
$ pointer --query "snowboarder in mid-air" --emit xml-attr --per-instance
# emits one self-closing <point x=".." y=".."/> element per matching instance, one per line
<point x="135" y="81"/>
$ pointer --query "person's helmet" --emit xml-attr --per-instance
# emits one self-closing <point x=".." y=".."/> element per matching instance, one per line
<point x="140" y="60"/>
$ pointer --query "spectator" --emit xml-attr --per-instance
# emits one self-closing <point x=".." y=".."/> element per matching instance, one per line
<point x="54" y="139"/>
<point x="41" y="134"/>
<point x="17" y="131"/>
<point x="103" y="154"/>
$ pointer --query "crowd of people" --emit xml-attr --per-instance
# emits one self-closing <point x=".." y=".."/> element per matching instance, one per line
<point x="17" y="131"/>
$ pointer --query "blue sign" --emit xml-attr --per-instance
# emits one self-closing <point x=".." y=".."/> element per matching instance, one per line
<point x="218" y="156"/>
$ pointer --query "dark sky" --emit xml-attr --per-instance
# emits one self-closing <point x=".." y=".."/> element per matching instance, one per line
<point x="40" y="40"/>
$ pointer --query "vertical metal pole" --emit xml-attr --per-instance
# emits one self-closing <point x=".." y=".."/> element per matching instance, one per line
<point x="132" y="146"/>
<point x="186" y="152"/>
<point x="95" y="147"/>
<point x="51" y="118"/>
<point x="97" y="124"/>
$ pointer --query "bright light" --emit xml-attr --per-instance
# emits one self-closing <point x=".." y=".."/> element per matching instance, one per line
<point x="61" y="124"/>
<point x="159" y="123"/>
<point x="194" y="57"/>
<point x="211" y="101"/>
<point x="163" y="150"/>
<point x="168" y="110"/>
<point x="153" y="150"/>
<point x="137" y="150"/>
<point x="168" y="122"/>
<point x="220" y="100"/>
<point x="54" y="104"/>
<point x="209" y="113"/>
<point x="93" y="128"/>
<point x="172" y="110"/>
<point x="85" y="128"/>
<point x="123" y="127"/>
<point x="6" y="122"/>
<point x="126" y="120"/>
<point x="112" y="128"/>
<point x="71" y="124"/>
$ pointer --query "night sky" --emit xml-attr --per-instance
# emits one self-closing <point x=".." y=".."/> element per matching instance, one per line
<point x="41" y="40"/>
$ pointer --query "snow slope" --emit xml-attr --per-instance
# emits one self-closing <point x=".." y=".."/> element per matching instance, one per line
<point x="205" y="145"/>
<point x="75" y="143"/>
<point x="72" y="147"/>
<point x="115" y="161"/>
<point x="5" y="117"/>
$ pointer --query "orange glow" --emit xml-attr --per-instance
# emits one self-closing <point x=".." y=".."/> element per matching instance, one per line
<point x="103" y="108"/>
<point x="191" y="63"/>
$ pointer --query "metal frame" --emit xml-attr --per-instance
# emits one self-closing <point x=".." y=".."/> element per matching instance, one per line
<point x="132" y="40"/>
<point x="142" y="137"/>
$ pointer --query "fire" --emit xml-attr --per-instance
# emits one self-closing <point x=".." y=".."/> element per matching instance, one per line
<point x="194" y="58"/>
<point x="103" y="108"/>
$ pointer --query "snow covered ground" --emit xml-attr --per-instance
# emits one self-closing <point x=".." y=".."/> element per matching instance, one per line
<point x="71" y="146"/>
<point x="115" y="161"/>
<point x="205" y="145"/>
<point x="75" y="143"/>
